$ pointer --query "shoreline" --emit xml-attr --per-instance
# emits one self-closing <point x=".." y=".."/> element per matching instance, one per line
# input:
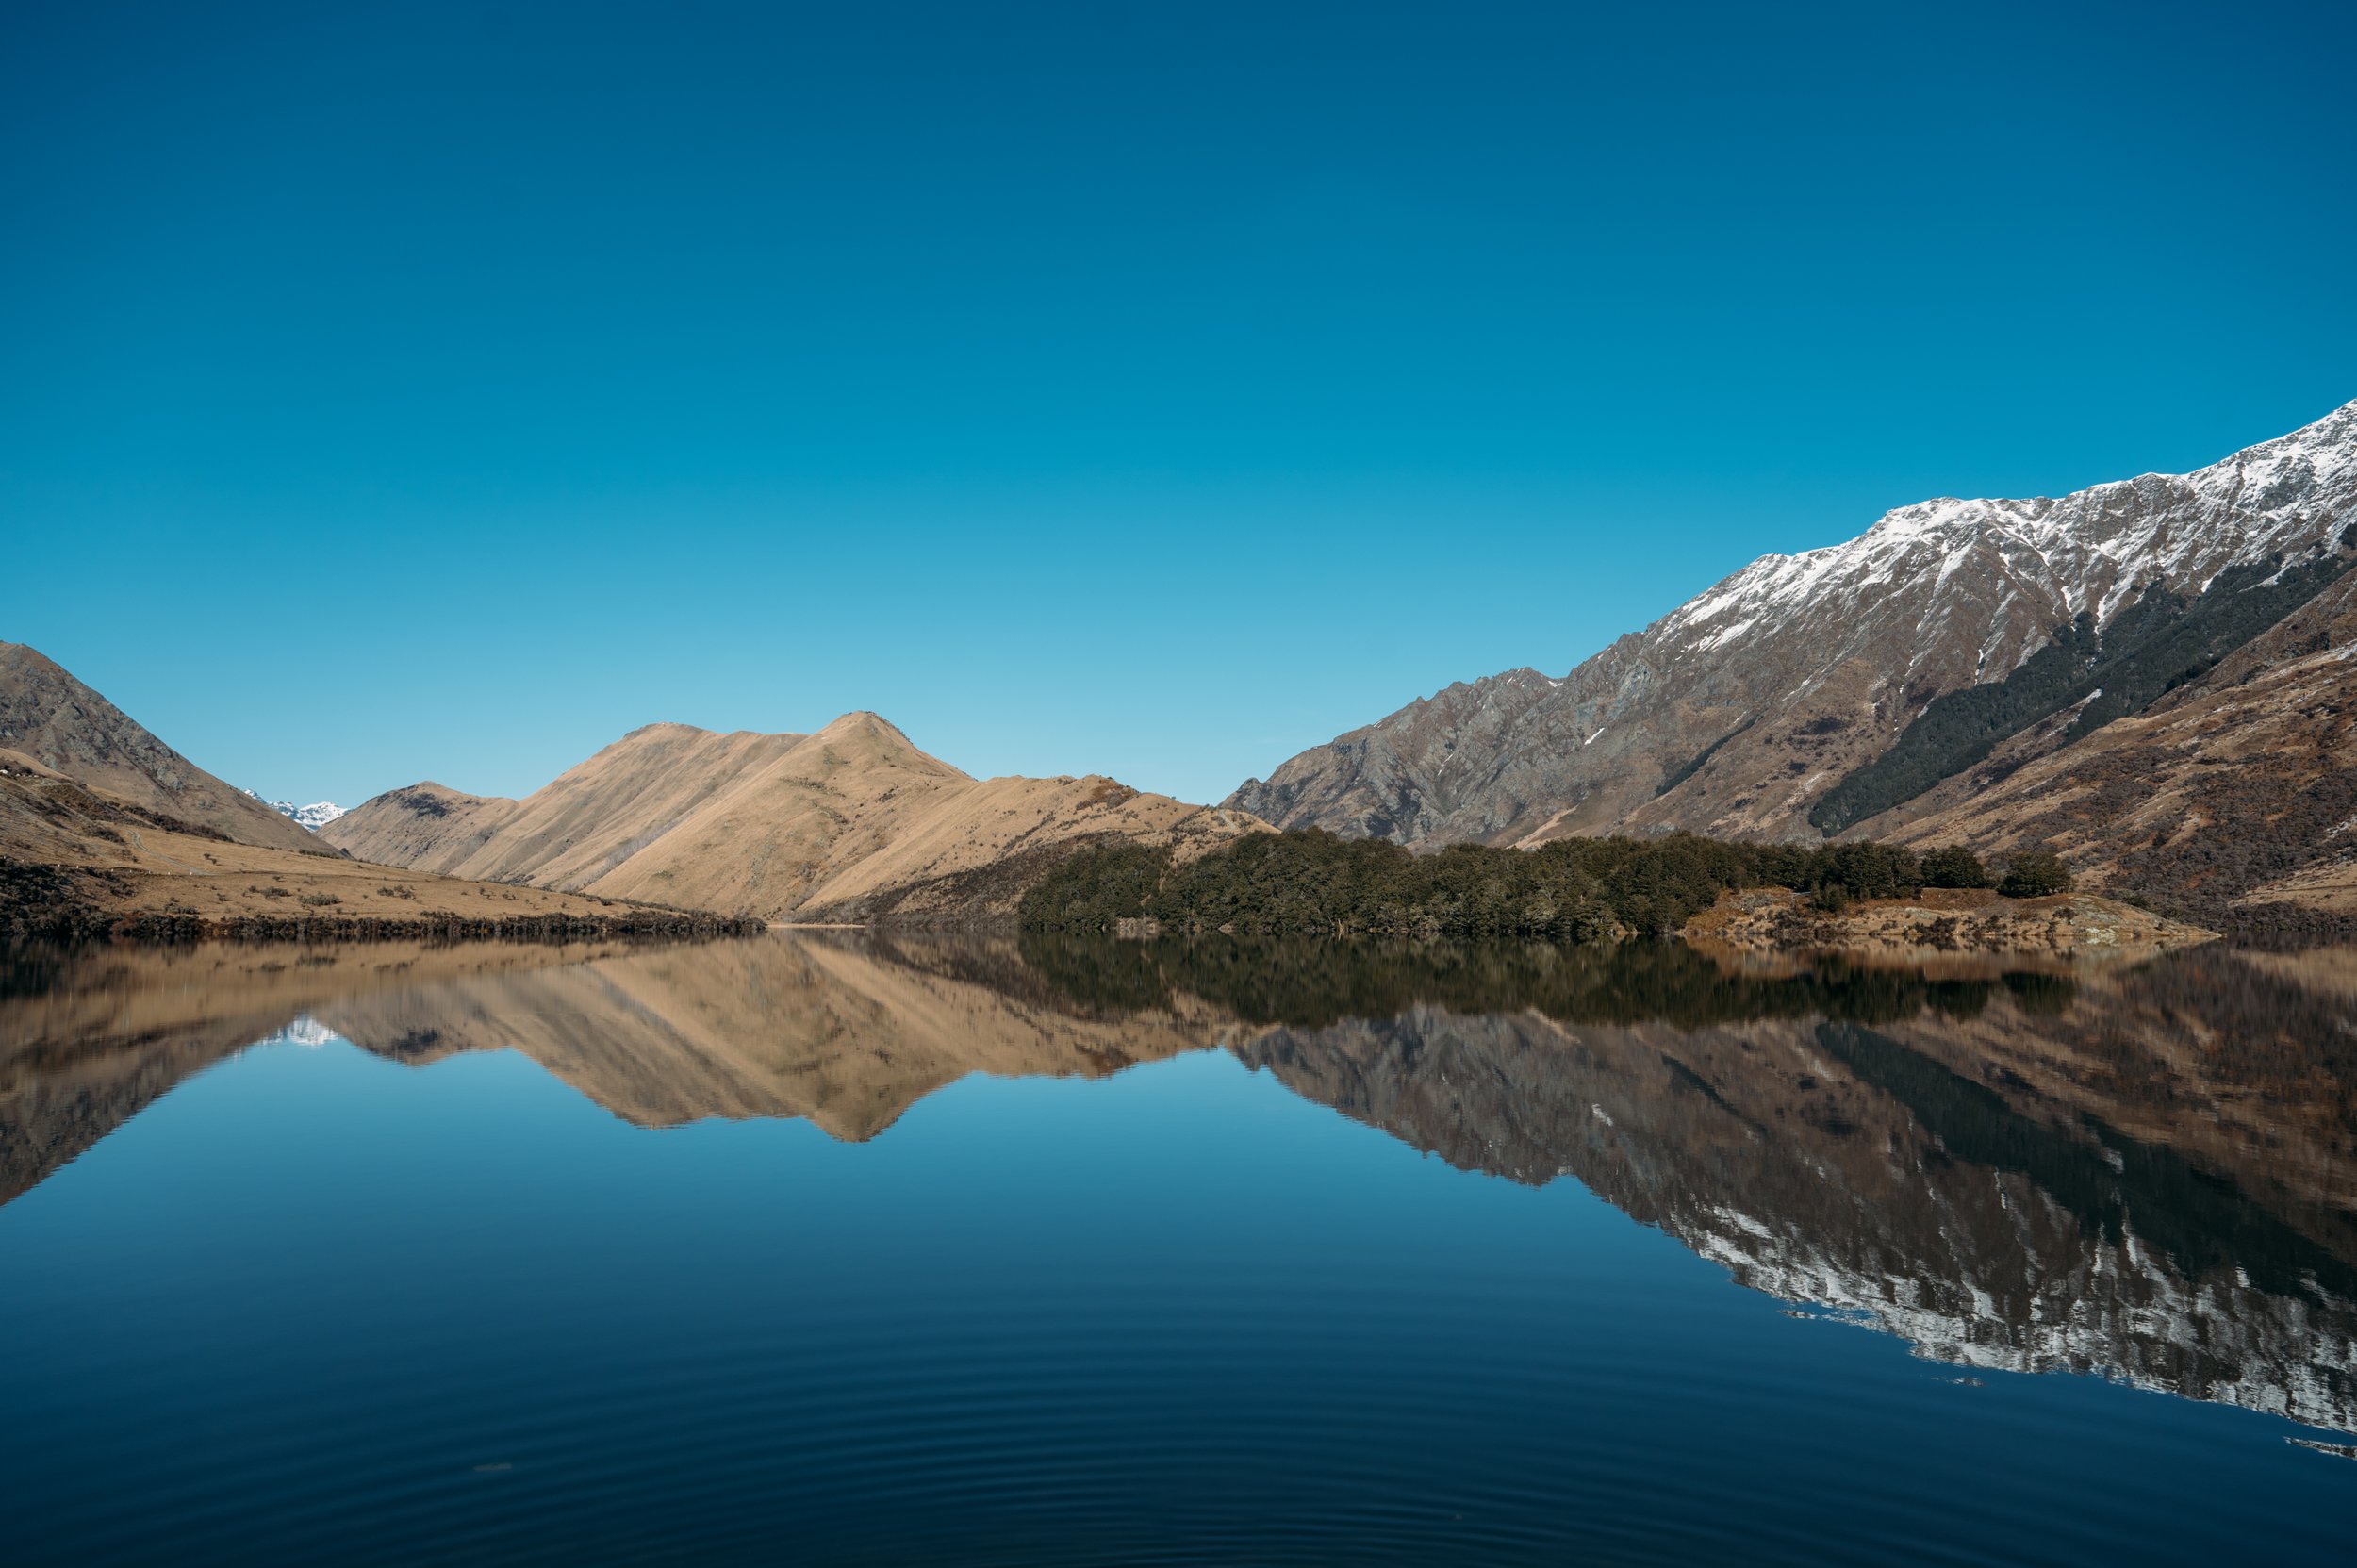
<point x="1938" y="925"/>
<point x="149" y="928"/>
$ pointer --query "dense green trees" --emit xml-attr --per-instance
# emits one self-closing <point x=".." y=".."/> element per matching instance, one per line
<point x="2033" y="876"/>
<point x="1953" y="865"/>
<point x="1574" y="889"/>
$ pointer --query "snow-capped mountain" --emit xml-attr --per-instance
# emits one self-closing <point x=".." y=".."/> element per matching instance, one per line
<point x="1750" y="709"/>
<point x="314" y="817"/>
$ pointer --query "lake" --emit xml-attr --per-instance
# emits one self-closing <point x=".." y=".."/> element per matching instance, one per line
<point x="827" y="1248"/>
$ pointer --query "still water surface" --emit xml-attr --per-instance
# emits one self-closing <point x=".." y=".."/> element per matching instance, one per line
<point x="811" y="1251"/>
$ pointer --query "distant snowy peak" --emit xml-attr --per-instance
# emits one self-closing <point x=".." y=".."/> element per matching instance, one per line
<point x="314" y="817"/>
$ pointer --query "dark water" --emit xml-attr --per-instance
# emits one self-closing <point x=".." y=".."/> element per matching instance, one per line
<point x="835" y="1251"/>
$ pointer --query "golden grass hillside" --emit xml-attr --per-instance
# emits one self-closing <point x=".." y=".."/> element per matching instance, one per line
<point x="850" y="823"/>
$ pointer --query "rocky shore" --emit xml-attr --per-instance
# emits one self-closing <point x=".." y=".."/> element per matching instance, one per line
<point x="2066" y="925"/>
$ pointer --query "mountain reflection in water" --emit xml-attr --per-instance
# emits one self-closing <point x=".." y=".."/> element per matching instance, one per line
<point x="2144" y="1174"/>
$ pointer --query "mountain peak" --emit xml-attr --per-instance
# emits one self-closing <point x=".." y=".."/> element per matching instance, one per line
<point x="860" y="724"/>
<point x="1739" y="711"/>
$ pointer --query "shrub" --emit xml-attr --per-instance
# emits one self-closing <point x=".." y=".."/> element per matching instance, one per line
<point x="2034" y="875"/>
<point x="1953" y="865"/>
<point x="319" y="900"/>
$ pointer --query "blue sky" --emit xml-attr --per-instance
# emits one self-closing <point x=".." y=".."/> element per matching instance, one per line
<point x="412" y="391"/>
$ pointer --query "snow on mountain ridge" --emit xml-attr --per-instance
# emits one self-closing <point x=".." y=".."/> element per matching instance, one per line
<point x="314" y="817"/>
<point x="2094" y="547"/>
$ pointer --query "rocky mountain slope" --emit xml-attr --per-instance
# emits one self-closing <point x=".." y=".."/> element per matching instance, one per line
<point x="2229" y="795"/>
<point x="853" y="822"/>
<point x="58" y="722"/>
<point x="1812" y="694"/>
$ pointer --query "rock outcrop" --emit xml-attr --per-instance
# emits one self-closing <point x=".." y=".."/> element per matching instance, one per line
<point x="2066" y="927"/>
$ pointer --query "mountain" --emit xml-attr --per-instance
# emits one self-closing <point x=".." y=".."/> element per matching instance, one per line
<point x="851" y="822"/>
<point x="53" y="720"/>
<point x="1814" y="695"/>
<point x="2232" y="792"/>
<point x="313" y="817"/>
<point x="105" y="830"/>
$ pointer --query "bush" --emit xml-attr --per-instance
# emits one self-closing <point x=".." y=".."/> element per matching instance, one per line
<point x="1953" y="865"/>
<point x="2035" y="876"/>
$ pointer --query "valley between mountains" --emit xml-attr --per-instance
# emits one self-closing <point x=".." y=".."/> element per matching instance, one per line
<point x="2148" y="678"/>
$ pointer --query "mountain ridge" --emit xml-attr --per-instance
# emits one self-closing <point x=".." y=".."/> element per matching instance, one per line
<point x="848" y="822"/>
<point x="105" y="830"/>
<point x="1739" y="711"/>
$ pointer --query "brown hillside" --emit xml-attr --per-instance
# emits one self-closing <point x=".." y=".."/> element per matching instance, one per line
<point x="56" y="720"/>
<point x="425" y="826"/>
<point x="850" y="823"/>
<point x="75" y="861"/>
<point x="79" y="858"/>
<point x="573" y="831"/>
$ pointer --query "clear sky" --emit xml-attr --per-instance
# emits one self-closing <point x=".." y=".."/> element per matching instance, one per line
<point x="439" y="392"/>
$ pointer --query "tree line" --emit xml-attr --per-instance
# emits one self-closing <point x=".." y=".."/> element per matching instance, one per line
<point x="1310" y="881"/>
